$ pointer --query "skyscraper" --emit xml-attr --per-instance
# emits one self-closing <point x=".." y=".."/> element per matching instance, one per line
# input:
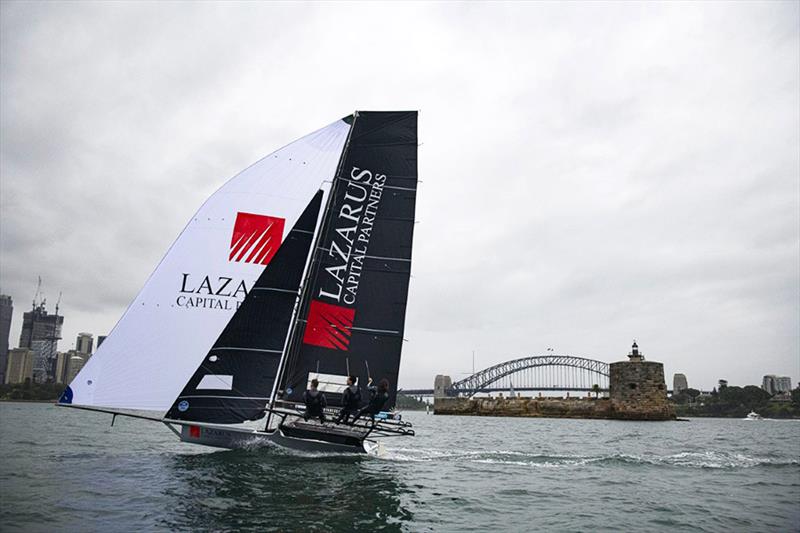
<point x="84" y="343"/>
<point x="783" y="384"/>
<point x="20" y="366"/>
<point x="768" y="383"/>
<point x="679" y="384"/>
<point x="37" y="325"/>
<point x="75" y="362"/>
<point x="774" y="384"/>
<point x="61" y="367"/>
<point x="6" y="310"/>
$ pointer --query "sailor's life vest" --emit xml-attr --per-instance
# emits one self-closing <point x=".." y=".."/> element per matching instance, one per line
<point x="351" y="399"/>
<point x="315" y="401"/>
<point x="377" y="402"/>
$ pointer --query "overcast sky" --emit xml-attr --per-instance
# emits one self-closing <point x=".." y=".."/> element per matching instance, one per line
<point x="592" y="173"/>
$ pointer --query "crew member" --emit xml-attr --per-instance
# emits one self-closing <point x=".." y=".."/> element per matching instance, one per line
<point x="372" y="390"/>
<point x="351" y="401"/>
<point x="378" y="398"/>
<point x="315" y="402"/>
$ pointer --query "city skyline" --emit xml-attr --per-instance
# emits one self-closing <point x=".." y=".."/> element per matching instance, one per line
<point x="36" y="356"/>
<point x="792" y="381"/>
<point x="576" y="193"/>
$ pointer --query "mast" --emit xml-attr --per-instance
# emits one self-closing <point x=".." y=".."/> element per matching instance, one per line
<point x="305" y="293"/>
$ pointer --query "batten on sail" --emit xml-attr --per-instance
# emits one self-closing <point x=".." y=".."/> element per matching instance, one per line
<point x="248" y="350"/>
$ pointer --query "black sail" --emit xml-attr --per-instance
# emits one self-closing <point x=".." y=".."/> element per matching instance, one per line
<point x="234" y="381"/>
<point x="352" y="315"/>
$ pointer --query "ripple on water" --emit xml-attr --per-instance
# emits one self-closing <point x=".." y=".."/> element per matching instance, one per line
<point x="709" y="459"/>
<point x="458" y="474"/>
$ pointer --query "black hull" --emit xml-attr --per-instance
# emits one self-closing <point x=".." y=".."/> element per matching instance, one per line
<point x="302" y="437"/>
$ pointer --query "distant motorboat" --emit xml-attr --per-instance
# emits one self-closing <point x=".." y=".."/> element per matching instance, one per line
<point x="752" y="415"/>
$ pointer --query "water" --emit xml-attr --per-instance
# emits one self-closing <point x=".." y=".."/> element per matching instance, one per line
<point x="69" y="470"/>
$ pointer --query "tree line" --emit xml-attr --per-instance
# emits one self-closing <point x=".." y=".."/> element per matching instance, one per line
<point x="31" y="391"/>
<point x="737" y="402"/>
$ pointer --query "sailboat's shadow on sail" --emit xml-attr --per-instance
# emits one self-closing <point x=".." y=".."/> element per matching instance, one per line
<point x="270" y="489"/>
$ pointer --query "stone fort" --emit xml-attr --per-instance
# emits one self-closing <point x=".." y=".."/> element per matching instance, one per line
<point x="637" y="391"/>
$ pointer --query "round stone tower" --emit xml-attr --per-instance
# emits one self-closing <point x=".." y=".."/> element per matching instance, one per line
<point x="638" y="390"/>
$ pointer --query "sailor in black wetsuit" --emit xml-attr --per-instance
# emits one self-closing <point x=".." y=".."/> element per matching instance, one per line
<point x="351" y="401"/>
<point x="377" y="399"/>
<point x="315" y="402"/>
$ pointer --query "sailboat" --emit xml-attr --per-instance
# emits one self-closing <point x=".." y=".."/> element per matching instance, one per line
<point x="295" y="269"/>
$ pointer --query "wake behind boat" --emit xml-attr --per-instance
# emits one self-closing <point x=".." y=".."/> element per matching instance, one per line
<point x="297" y="269"/>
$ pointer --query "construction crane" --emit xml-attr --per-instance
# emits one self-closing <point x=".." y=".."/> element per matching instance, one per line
<point x="46" y="360"/>
<point x="38" y="292"/>
<point x="52" y="344"/>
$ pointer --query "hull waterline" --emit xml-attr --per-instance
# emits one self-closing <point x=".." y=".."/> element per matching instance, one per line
<point x="238" y="438"/>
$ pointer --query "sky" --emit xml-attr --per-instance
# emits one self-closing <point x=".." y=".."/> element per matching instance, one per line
<point x="591" y="173"/>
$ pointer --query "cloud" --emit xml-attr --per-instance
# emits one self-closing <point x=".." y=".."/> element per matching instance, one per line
<point x="591" y="173"/>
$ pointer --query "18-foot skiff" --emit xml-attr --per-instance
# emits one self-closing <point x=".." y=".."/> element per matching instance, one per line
<point x="295" y="269"/>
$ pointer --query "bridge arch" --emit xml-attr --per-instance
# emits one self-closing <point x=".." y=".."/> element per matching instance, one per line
<point x="481" y="380"/>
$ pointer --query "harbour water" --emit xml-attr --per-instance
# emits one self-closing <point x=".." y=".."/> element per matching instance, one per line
<point x="69" y="470"/>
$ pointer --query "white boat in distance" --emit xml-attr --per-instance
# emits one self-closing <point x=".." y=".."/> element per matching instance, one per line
<point x="752" y="415"/>
<point x="297" y="268"/>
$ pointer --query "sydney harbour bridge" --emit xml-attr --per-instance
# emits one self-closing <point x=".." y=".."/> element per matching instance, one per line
<point x="564" y="373"/>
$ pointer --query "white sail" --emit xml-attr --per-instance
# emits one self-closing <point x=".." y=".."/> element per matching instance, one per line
<point x="190" y="297"/>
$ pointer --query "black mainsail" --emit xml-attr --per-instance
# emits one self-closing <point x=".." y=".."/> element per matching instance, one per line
<point x="352" y="314"/>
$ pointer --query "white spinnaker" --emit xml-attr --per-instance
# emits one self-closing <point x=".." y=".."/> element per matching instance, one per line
<point x="158" y="343"/>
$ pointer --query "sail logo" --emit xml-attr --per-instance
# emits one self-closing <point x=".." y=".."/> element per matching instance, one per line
<point x="329" y="326"/>
<point x="350" y="236"/>
<point x="211" y="292"/>
<point x="256" y="238"/>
